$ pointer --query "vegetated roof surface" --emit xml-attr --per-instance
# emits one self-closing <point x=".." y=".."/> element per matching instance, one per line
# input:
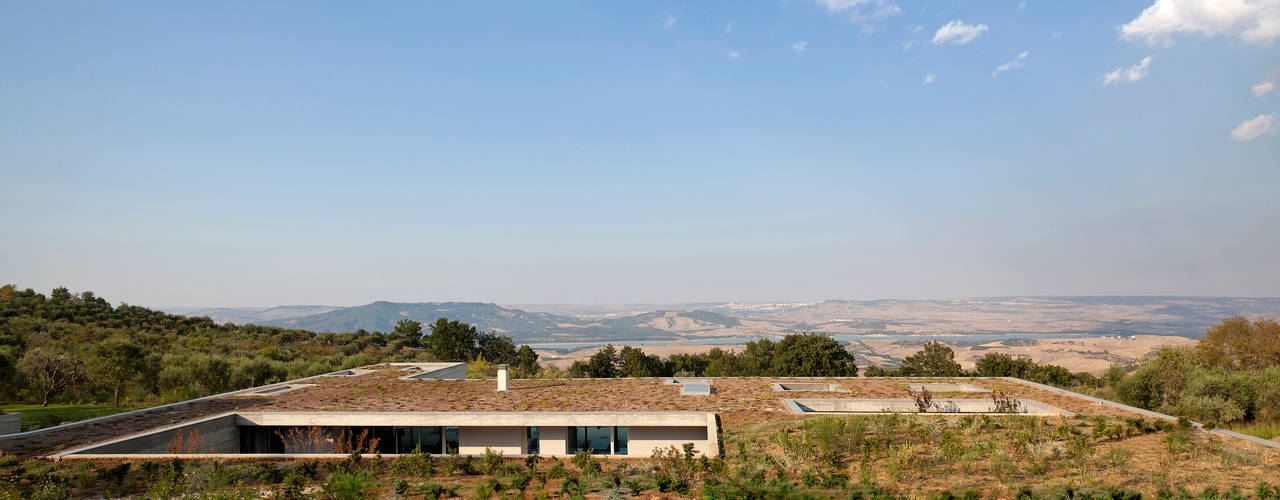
<point x="735" y="399"/>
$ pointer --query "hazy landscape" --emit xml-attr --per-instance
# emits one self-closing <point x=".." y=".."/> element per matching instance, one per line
<point x="1081" y="333"/>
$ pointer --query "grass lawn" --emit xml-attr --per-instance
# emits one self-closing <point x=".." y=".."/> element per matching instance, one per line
<point x="36" y="416"/>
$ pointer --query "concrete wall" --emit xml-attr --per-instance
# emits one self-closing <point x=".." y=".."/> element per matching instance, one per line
<point x="644" y="439"/>
<point x="217" y="435"/>
<point x="10" y="423"/>
<point x="553" y="441"/>
<point x="508" y="440"/>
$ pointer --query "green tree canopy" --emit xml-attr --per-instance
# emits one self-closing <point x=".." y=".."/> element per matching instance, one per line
<point x="934" y="360"/>
<point x="998" y="364"/>
<point x="452" y="340"/>
<point x="812" y="355"/>
<point x="116" y="362"/>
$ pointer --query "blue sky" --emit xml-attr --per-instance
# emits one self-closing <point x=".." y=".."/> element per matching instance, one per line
<point x="262" y="153"/>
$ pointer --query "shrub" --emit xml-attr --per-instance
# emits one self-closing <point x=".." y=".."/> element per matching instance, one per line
<point x="586" y="463"/>
<point x="415" y="463"/>
<point x="557" y="470"/>
<point x="431" y="489"/>
<point x="116" y="474"/>
<point x="348" y="486"/>
<point x="492" y="460"/>
<point x="268" y="473"/>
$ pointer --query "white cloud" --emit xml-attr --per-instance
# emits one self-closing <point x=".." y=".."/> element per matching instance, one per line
<point x="907" y="45"/>
<point x="916" y="28"/>
<point x="862" y="10"/>
<point x="1252" y="21"/>
<point x="958" y="32"/>
<point x="929" y="78"/>
<point x="670" y="22"/>
<point x="800" y="46"/>
<point x="1130" y="74"/>
<point x="1263" y="88"/>
<point x="735" y="55"/>
<point x="1056" y="34"/>
<point x="1255" y="128"/>
<point x="1011" y="65"/>
<point x="1022" y="5"/>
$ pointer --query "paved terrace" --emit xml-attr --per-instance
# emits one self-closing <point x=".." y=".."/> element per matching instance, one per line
<point x="735" y="399"/>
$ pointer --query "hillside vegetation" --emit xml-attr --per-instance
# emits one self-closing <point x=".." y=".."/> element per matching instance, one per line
<point x="78" y="348"/>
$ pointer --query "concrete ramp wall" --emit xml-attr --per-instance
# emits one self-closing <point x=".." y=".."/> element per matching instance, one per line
<point x="214" y="435"/>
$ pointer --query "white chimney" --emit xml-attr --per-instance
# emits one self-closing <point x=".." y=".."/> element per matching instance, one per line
<point x="502" y="377"/>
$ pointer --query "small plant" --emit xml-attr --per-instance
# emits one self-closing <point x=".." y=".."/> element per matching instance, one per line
<point x="348" y="486"/>
<point x="401" y="487"/>
<point x="268" y="473"/>
<point x="586" y="463"/>
<point x="923" y="399"/>
<point x="311" y="439"/>
<point x="1003" y="403"/>
<point x="116" y="474"/>
<point x="431" y="489"/>
<point x="491" y="461"/>
<point x="557" y="470"/>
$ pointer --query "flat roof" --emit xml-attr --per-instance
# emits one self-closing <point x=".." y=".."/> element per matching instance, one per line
<point x="383" y="390"/>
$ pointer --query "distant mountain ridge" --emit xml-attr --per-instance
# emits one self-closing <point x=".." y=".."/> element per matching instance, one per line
<point x="1089" y="315"/>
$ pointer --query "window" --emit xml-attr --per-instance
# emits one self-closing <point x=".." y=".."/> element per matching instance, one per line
<point x="532" y="446"/>
<point x="451" y="440"/>
<point x="426" y="439"/>
<point x="619" y="440"/>
<point x="595" y="440"/>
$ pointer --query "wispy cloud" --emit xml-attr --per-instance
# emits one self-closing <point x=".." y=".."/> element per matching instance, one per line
<point x="1255" y="128"/>
<point x="1022" y="5"/>
<point x="1130" y="74"/>
<point x="670" y="22"/>
<point x="1251" y="21"/>
<point x="735" y="55"/>
<point x="728" y="28"/>
<point x="929" y="78"/>
<point x="907" y="45"/>
<point x="916" y="28"/>
<point x="800" y="46"/>
<point x="958" y="32"/>
<point x="1011" y="65"/>
<point x="1263" y="88"/>
<point x="861" y="11"/>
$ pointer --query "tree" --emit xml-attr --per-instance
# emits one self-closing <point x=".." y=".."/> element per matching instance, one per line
<point x="50" y="372"/>
<point x="115" y="363"/>
<point x="757" y="359"/>
<point x="496" y="348"/>
<point x="410" y="331"/>
<point x="934" y="360"/>
<point x="998" y="364"/>
<point x="452" y="340"/>
<point x="526" y="364"/>
<point x="603" y="364"/>
<point x="633" y="362"/>
<point x="1236" y="343"/>
<point x="812" y="355"/>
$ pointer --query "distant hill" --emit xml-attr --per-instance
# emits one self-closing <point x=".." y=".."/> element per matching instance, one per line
<point x="254" y="315"/>
<point x="382" y="316"/>
<point x="1002" y="316"/>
